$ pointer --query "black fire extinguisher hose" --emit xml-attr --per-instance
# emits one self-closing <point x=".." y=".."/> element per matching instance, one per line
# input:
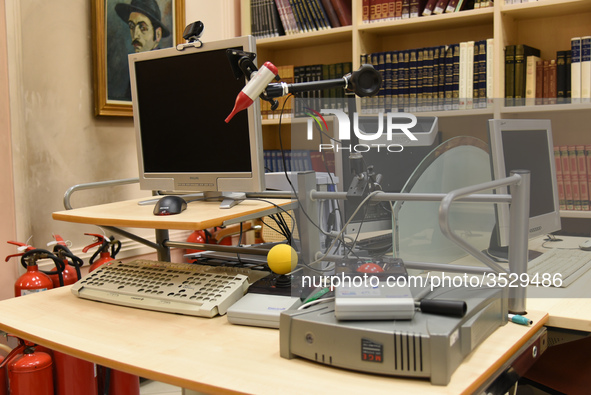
<point x="74" y="260"/>
<point x="37" y="254"/>
<point x="115" y="247"/>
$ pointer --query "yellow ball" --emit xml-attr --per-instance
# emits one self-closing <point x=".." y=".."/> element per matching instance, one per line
<point x="282" y="259"/>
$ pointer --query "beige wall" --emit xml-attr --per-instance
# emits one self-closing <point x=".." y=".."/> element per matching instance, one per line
<point x="57" y="142"/>
<point x="7" y="224"/>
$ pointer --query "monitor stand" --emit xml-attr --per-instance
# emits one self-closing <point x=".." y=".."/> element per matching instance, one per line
<point x="500" y="253"/>
<point x="228" y="199"/>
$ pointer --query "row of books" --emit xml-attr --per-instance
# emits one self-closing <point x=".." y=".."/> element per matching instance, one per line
<point x="299" y="160"/>
<point x="451" y="77"/>
<point x="573" y="176"/>
<point x="271" y="18"/>
<point x="531" y="80"/>
<point x="308" y="73"/>
<point x="389" y="10"/>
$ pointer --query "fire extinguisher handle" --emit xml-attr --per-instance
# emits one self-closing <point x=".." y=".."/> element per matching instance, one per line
<point x="39" y="253"/>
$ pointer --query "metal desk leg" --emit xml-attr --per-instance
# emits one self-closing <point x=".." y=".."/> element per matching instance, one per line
<point x="163" y="250"/>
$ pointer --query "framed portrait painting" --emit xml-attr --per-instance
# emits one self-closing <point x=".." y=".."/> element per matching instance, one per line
<point x="121" y="27"/>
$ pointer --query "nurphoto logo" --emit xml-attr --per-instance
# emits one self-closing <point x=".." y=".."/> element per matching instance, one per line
<point x="368" y="140"/>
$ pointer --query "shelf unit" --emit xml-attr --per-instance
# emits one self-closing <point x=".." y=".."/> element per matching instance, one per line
<point x="545" y="24"/>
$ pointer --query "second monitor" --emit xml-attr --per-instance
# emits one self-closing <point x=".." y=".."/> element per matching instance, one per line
<point x="525" y="144"/>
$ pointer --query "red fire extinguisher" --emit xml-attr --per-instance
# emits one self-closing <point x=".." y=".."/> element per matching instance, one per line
<point x="115" y="382"/>
<point x="72" y="263"/>
<point x="3" y="379"/>
<point x="108" y="249"/>
<point x="200" y="236"/>
<point x="29" y="371"/>
<point x="74" y="376"/>
<point x="34" y="280"/>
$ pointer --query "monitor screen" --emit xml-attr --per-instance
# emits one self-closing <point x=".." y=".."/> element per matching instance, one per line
<point x="180" y="101"/>
<point x="526" y="144"/>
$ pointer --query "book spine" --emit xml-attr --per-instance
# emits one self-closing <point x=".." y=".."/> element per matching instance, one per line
<point x="456" y="77"/>
<point x="561" y="77"/>
<point x="463" y="75"/>
<point x="405" y="9"/>
<point x="586" y="69"/>
<point x="559" y="179"/>
<point x="566" y="177"/>
<point x="322" y="15"/>
<point x="343" y="10"/>
<point x="530" y="80"/>
<point x="405" y="79"/>
<point x="546" y="82"/>
<point x="509" y="75"/>
<point x="574" y="177"/>
<point x="428" y="79"/>
<point x="429" y="7"/>
<point x="440" y="7"/>
<point x="582" y="175"/>
<point x="442" y="91"/>
<point x="552" y="82"/>
<point x="478" y="74"/>
<point x="575" y="69"/>
<point x="539" y="98"/>
<point x="470" y="76"/>
<point x="568" y="75"/>
<point x="451" y="6"/>
<point x="364" y="10"/>
<point x="398" y="14"/>
<point x="421" y="76"/>
<point x="489" y="72"/>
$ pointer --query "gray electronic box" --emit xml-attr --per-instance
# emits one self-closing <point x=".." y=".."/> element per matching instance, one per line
<point x="428" y="346"/>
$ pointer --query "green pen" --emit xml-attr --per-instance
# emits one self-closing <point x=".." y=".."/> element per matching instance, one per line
<point x="317" y="295"/>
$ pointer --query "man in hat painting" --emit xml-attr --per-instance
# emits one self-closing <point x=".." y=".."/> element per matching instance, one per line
<point x="145" y="26"/>
<point x="133" y="26"/>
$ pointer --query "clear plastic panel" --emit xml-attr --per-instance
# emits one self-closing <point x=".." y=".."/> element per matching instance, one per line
<point x="456" y="163"/>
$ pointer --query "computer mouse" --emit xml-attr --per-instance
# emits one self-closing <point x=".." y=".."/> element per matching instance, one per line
<point x="170" y="205"/>
<point x="585" y="245"/>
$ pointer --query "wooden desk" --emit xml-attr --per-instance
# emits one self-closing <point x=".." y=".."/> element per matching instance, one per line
<point x="198" y="215"/>
<point x="568" y="308"/>
<point x="211" y="355"/>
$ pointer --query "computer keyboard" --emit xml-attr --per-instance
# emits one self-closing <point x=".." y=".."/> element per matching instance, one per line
<point x="182" y="288"/>
<point x="570" y="263"/>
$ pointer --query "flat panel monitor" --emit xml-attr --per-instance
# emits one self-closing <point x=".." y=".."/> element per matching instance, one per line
<point x="525" y="144"/>
<point x="180" y="101"/>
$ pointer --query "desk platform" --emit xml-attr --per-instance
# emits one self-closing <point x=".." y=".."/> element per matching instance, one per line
<point x="198" y="215"/>
<point x="212" y="355"/>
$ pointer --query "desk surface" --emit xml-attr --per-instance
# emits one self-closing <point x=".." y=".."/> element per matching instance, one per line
<point x="198" y="215"/>
<point x="212" y="355"/>
<point x="567" y="307"/>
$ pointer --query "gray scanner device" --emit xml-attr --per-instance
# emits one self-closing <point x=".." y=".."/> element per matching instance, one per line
<point x="428" y="346"/>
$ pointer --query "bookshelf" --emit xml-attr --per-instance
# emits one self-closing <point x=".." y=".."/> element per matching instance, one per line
<point x="545" y="24"/>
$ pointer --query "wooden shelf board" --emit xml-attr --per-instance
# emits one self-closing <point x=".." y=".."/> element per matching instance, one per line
<point x="431" y="23"/>
<point x="545" y="8"/>
<point x="300" y="40"/>
<point x="546" y="108"/>
<point x="575" y="214"/>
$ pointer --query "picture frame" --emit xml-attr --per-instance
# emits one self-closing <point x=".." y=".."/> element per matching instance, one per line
<point x="112" y="42"/>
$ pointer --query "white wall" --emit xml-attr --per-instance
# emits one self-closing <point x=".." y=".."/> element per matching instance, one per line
<point x="57" y="141"/>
